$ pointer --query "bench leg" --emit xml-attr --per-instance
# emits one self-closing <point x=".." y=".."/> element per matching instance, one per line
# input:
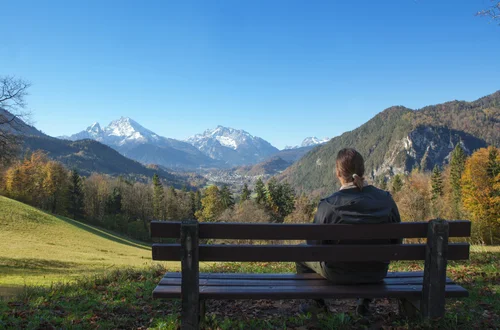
<point x="190" y="290"/>
<point x="409" y="307"/>
<point x="434" y="286"/>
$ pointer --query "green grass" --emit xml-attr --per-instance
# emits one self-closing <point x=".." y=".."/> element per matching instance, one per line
<point x="122" y="299"/>
<point x="37" y="248"/>
<point x="72" y="275"/>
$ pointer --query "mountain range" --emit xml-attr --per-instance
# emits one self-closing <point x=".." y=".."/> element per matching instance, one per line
<point x="221" y="147"/>
<point x="87" y="156"/>
<point x="399" y="139"/>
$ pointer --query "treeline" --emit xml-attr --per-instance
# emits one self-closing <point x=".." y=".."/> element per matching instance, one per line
<point x="128" y="207"/>
<point x="466" y="188"/>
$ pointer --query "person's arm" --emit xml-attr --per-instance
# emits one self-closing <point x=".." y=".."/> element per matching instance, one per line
<point x="394" y="218"/>
<point x="323" y="213"/>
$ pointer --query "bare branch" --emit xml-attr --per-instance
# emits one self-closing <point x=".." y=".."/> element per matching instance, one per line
<point x="493" y="12"/>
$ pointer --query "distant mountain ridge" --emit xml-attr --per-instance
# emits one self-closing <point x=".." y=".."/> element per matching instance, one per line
<point x="86" y="155"/>
<point x="232" y="146"/>
<point x="139" y="143"/>
<point x="310" y="141"/>
<point x="399" y="139"/>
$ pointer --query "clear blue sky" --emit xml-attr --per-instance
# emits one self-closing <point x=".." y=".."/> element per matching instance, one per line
<point x="281" y="70"/>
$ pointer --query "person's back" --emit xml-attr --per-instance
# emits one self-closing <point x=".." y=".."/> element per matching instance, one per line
<point x="355" y="203"/>
<point x="354" y="206"/>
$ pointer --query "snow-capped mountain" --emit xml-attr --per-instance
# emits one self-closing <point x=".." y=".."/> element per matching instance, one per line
<point x="136" y="142"/>
<point x="312" y="141"/>
<point x="232" y="146"/>
<point x="309" y="142"/>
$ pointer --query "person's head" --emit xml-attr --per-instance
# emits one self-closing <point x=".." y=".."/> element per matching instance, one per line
<point x="350" y="167"/>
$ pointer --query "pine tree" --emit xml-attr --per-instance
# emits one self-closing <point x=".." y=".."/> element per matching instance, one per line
<point x="75" y="196"/>
<point x="158" y="195"/>
<point x="192" y="204"/>
<point x="436" y="183"/>
<point x="114" y="202"/>
<point x="198" y="200"/>
<point x="226" y="197"/>
<point x="457" y="165"/>
<point x="245" y="193"/>
<point x="397" y="184"/>
<point x="280" y="200"/>
<point x="493" y="168"/>
<point x="260" y="190"/>
<point x="381" y="182"/>
<point x="172" y="204"/>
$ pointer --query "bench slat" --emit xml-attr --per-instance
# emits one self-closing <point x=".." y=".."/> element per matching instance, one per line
<point x="312" y="282"/>
<point x="273" y="231"/>
<point x="311" y="292"/>
<point x="333" y="253"/>
<point x="282" y="276"/>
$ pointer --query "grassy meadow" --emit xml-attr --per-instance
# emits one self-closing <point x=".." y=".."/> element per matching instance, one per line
<point x="37" y="248"/>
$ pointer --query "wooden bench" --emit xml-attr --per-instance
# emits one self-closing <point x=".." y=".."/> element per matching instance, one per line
<point x="425" y="290"/>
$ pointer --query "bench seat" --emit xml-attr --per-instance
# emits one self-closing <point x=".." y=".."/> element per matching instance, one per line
<point x="299" y="286"/>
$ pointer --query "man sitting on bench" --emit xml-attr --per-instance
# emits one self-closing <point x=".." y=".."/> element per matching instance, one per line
<point x="355" y="203"/>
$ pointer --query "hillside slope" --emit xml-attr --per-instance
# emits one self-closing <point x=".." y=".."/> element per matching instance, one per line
<point x="398" y="139"/>
<point x="39" y="248"/>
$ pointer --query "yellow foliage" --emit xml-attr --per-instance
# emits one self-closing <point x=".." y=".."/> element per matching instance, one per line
<point x="480" y="196"/>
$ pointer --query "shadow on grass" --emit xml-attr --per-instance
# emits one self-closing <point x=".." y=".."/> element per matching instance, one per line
<point x="33" y="263"/>
<point x="104" y="234"/>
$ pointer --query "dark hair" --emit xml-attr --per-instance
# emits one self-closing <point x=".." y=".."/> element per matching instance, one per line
<point x="351" y="166"/>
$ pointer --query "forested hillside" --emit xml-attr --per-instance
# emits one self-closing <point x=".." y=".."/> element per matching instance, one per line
<point x="400" y="139"/>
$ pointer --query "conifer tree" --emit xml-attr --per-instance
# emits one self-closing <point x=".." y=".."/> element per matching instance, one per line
<point x="436" y="183"/>
<point x="198" y="200"/>
<point x="397" y="184"/>
<point x="158" y="195"/>
<point x="114" y="202"/>
<point x="457" y="165"/>
<point x="192" y="204"/>
<point x="226" y="197"/>
<point x="75" y="196"/>
<point x="493" y="168"/>
<point x="245" y="193"/>
<point x="280" y="200"/>
<point x="172" y="204"/>
<point x="260" y="190"/>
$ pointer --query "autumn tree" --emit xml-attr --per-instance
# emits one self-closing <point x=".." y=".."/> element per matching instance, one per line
<point x="480" y="190"/>
<point x="414" y="198"/>
<point x="303" y="212"/>
<point x="457" y="164"/>
<point x="212" y="206"/>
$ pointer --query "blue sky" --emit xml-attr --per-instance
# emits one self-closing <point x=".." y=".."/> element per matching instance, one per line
<point x="282" y="70"/>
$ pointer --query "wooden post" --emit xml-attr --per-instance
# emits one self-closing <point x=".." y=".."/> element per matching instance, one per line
<point x="434" y="286"/>
<point x="190" y="290"/>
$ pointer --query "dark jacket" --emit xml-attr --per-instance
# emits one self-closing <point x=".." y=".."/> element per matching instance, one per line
<point x="352" y="206"/>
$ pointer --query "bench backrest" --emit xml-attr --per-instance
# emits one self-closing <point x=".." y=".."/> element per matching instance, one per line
<point x="339" y="253"/>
